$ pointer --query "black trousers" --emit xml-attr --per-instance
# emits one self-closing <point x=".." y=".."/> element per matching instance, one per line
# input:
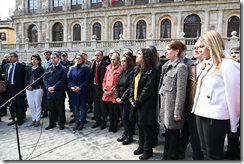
<point x="56" y="111"/>
<point x="185" y="134"/>
<point x="233" y="147"/>
<point x="19" y="111"/>
<point x="44" y="103"/>
<point x="113" y="114"/>
<point x="212" y="135"/>
<point x="146" y="137"/>
<point x="125" y="110"/>
<point x="172" y="143"/>
<point x="99" y="107"/>
<point x="3" y="97"/>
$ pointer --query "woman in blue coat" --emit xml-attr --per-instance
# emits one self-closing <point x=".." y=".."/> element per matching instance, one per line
<point x="78" y="80"/>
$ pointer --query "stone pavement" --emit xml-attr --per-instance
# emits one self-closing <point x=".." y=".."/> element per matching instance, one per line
<point x="54" y="144"/>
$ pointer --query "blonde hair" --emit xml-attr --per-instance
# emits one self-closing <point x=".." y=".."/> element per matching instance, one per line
<point x="82" y="58"/>
<point x="215" y="43"/>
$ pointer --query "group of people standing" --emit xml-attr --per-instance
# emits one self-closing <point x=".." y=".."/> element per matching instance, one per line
<point x="196" y="101"/>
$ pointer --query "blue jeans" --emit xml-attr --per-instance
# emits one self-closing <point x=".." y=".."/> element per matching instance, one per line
<point x="80" y="113"/>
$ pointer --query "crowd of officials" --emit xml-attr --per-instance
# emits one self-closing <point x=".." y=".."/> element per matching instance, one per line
<point x="196" y="100"/>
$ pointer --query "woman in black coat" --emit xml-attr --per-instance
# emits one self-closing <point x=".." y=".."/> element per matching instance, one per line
<point x="122" y="91"/>
<point x="141" y="97"/>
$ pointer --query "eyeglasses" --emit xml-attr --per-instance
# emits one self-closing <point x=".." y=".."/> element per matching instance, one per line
<point x="199" y="47"/>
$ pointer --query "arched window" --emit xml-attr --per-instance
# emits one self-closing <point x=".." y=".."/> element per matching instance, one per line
<point x="141" y="29"/>
<point x="32" y="33"/>
<point x="165" y="31"/>
<point x="118" y="29"/>
<point x="76" y="4"/>
<point x="57" y="5"/>
<point x="233" y="25"/>
<point x="32" y="6"/>
<point x="96" y="30"/>
<point x="96" y="3"/>
<point x="141" y="2"/>
<point x="76" y="32"/>
<point x="58" y="32"/>
<point x="192" y="26"/>
<point x="3" y="36"/>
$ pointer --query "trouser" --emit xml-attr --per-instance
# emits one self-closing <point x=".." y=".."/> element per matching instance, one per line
<point x="233" y="147"/>
<point x="146" y="137"/>
<point x="18" y="108"/>
<point x="56" y="111"/>
<point x="44" y="103"/>
<point x="171" y="147"/>
<point x="212" y="135"/>
<point x="156" y="129"/>
<point x="194" y="138"/>
<point x="90" y="100"/>
<point x="80" y="113"/>
<point x="125" y="110"/>
<point x="69" y="97"/>
<point x="113" y="114"/>
<point x="185" y="135"/>
<point x="3" y="98"/>
<point x="34" y="99"/>
<point x="99" y="109"/>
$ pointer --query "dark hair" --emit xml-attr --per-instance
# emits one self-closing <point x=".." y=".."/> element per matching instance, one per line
<point x="13" y="53"/>
<point x="130" y="62"/>
<point x="184" y="47"/>
<point x="130" y="55"/>
<point x="154" y="51"/>
<point x="37" y="56"/>
<point x="56" y="53"/>
<point x="64" y="54"/>
<point x="130" y="50"/>
<point x="176" y="45"/>
<point x="149" y="60"/>
<point x="235" y="48"/>
<point x="100" y="52"/>
<point x="47" y="52"/>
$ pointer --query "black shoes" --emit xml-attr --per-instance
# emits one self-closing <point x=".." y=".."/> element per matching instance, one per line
<point x="138" y="151"/>
<point x="182" y="154"/>
<point x="96" y="125"/>
<point x="110" y="129"/>
<point x="72" y="121"/>
<point x="61" y="127"/>
<point x="44" y="115"/>
<point x="122" y="138"/>
<point x="145" y="156"/>
<point x="4" y="114"/>
<point x="20" y="123"/>
<point x="33" y="123"/>
<point x="103" y="126"/>
<point x="50" y="127"/>
<point x="93" y="118"/>
<point x="128" y="140"/>
<point x="11" y="123"/>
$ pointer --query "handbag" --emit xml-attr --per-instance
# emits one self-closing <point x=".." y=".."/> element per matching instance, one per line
<point x="2" y="86"/>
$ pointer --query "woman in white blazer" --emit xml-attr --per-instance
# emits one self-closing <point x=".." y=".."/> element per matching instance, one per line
<point x="217" y="98"/>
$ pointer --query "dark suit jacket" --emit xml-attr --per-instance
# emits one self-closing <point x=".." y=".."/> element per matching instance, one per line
<point x="38" y="72"/>
<point x="56" y="79"/>
<point x="19" y="78"/>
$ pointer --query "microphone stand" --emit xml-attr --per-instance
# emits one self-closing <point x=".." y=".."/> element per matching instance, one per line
<point x="12" y="103"/>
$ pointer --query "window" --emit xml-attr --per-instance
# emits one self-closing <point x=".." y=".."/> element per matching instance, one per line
<point x="58" y="32"/>
<point x="118" y="29"/>
<point x="165" y="29"/>
<point x="76" y="4"/>
<point x="32" y="6"/>
<point x="3" y="36"/>
<point x="96" y="3"/>
<point x="165" y="1"/>
<point x="97" y="30"/>
<point x="233" y="25"/>
<point x="57" y="5"/>
<point x="76" y="32"/>
<point x="32" y="33"/>
<point x="141" y="29"/>
<point x="192" y="26"/>
<point x="118" y="2"/>
<point x="141" y="2"/>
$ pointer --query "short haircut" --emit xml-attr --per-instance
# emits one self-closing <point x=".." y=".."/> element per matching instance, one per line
<point x="56" y="53"/>
<point x="176" y="45"/>
<point x="100" y="52"/>
<point x="37" y="56"/>
<point x="47" y="51"/>
<point x="13" y="53"/>
<point x="117" y="54"/>
<point x="235" y="48"/>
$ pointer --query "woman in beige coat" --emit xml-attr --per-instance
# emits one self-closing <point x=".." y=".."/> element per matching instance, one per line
<point x="172" y="93"/>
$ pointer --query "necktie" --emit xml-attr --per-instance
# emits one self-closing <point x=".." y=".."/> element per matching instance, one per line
<point x="96" y="73"/>
<point x="10" y="74"/>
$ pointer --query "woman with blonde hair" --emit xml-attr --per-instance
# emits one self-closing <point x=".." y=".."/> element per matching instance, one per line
<point x="217" y="98"/>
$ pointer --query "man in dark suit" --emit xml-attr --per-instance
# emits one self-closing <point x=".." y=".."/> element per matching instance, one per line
<point x="55" y="84"/>
<point x="15" y="80"/>
<point x="98" y="70"/>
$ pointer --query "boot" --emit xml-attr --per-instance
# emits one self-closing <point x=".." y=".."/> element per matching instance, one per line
<point x="80" y="127"/>
<point x="75" y="127"/>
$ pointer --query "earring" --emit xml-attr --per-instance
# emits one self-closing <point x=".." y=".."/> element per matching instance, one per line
<point x="175" y="54"/>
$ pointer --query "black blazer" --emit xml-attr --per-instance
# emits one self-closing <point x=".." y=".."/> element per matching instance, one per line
<point x="145" y="104"/>
<point x="38" y="72"/>
<point x="56" y="79"/>
<point x="19" y="77"/>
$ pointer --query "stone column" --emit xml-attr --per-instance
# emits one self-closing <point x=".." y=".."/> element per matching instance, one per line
<point x="106" y="29"/>
<point x="128" y="27"/>
<point x="178" y="24"/>
<point x="23" y="32"/>
<point x="67" y="5"/>
<point x="206" y="23"/>
<point x="48" y="35"/>
<point x="85" y="29"/>
<point x="153" y="26"/>
<point x="39" y="31"/>
<point x="220" y="22"/>
<point x="65" y="31"/>
<point x="16" y="30"/>
<point x="128" y="2"/>
<point x="152" y="1"/>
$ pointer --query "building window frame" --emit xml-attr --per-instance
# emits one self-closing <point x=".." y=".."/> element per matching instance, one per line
<point x="58" y="32"/>
<point x="96" y="3"/>
<point x="233" y="25"/>
<point x="192" y="26"/>
<point x="3" y="36"/>
<point x="141" y="29"/>
<point x="32" y="6"/>
<point x="141" y="2"/>
<point x="117" y="3"/>
<point x="118" y="29"/>
<point x="165" y="28"/>
<point x="32" y="33"/>
<point x="97" y="30"/>
<point x="57" y="5"/>
<point x="76" y="32"/>
<point x="76" y="4"/>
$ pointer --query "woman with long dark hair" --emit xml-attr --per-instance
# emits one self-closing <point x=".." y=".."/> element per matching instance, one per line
<point x="142" y="90"/>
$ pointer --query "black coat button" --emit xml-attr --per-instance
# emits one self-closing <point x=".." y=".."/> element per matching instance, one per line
<point x="208" y="97"/>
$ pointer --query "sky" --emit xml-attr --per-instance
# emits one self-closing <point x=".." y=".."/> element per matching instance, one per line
<point x="5" y="7"/>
